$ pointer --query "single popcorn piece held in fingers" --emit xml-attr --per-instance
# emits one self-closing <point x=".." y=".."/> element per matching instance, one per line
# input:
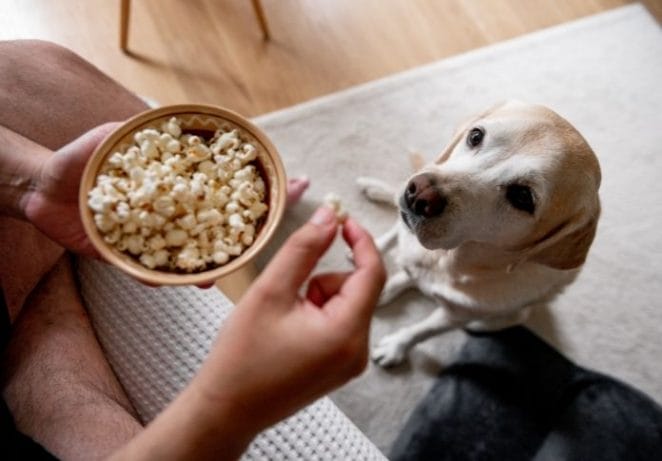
<point x="176" y="201"/>
<point x="333" y="201"/>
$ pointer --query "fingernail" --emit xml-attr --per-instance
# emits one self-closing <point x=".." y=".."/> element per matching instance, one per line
<point x="323" y="216"/>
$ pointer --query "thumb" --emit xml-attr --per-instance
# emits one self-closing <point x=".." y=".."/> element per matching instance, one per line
<point x="298" y="256"/>
<point x="65" y="168"/>
<point x="75" y="154"/>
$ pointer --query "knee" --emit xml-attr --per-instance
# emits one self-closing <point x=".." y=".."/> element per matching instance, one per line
<point x="21" y="58"/>
<point x="38" y="47"/>
<point x="43" y="50"/>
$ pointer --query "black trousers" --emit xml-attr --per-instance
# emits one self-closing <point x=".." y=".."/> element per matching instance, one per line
<point x="510" y="396"/>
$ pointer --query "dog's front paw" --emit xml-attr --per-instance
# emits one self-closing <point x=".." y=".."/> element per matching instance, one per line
<point x="376" y="190"/>
<point x="389" y="351"/>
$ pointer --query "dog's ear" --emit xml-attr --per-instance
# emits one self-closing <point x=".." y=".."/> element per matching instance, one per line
<point x="459" y="135"/>
<point x="566" y="247"/>
<point x="417" y="161"/>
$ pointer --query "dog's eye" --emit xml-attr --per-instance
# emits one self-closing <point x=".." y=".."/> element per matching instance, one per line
<point x="475" y="137"/>
<point x="520" y="197"/>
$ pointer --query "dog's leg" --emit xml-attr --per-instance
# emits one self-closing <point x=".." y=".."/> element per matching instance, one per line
<point x="392" y="349"/>
<point x="386" y="240"/>
<point x="383" y="242"/>
<point x="396" y="284"/>
<point x="377" y="190"/>
<point x="499" y="322"/>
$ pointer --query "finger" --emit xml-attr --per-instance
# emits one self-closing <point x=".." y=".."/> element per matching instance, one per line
<point x="90" y="140"/>
<point x="361" y="290"/>
<point x="324" y="286"/>
<point x="99" y="133"/>
<point x="295" y="189"/>
<point x="298" y="256"/>
<point x="70" y="160"/>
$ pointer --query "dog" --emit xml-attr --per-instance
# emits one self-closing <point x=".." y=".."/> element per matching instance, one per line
<point x="501" y="220"/>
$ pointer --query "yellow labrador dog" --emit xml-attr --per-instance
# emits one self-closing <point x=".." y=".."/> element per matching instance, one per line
<point x="502" y="219"/>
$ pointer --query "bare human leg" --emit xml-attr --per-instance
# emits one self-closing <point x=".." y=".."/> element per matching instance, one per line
<point x="58" y="384"/>
<point x="56" y="380"/>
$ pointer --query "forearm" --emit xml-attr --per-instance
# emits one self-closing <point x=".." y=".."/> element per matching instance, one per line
<point x="20" y="168"/>
<point x="191" y="427"/>
<point x="216" y="416"/>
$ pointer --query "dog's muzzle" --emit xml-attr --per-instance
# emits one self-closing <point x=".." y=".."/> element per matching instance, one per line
<point x="423" y="197"/>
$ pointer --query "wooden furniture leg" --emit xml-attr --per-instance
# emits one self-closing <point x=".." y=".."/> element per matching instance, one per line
<point x="125" y="11"/>
<point x="125" y="7"/>
<point x="261" y="18"/>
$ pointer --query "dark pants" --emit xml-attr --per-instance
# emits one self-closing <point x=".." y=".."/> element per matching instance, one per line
<point x="510" y="396"/>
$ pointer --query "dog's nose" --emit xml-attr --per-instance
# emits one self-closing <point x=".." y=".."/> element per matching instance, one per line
<point x="423" y="197"/>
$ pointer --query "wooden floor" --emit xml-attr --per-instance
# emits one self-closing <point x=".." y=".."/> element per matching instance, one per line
<point x="212" y="51"/>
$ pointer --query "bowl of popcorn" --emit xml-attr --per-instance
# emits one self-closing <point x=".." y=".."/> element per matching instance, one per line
<point x="183" y="194"/>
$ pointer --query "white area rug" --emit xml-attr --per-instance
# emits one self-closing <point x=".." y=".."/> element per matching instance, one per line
<point x="603" y="74"/>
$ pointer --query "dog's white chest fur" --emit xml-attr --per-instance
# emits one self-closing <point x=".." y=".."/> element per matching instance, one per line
<point x="449" y="277"/>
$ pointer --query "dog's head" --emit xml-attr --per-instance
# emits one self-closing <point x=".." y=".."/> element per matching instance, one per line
<point x="518" y="177"/>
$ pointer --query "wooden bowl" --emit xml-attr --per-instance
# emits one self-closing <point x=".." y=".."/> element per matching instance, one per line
<point x="191" y="117"/>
